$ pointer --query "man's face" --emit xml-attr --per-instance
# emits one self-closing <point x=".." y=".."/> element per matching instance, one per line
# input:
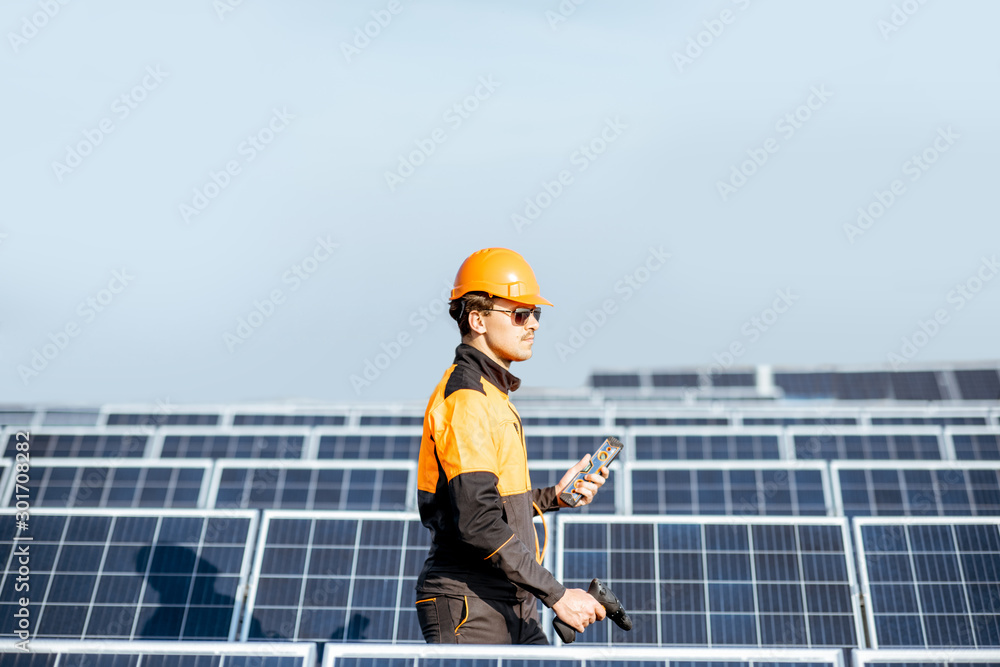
<point x="506" y="341"/>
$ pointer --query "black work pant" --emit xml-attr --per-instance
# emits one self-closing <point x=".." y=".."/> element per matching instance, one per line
<point x="472" y="620"/>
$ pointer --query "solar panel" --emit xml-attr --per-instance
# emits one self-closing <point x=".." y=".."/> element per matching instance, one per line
<point x="884" y="488"/>
<point x="717" y="581"/>
<point x="861" y="386"/>
<point x="70" y="417"/>
<point x="915" y="386"/>
<point x="548" y="473"/>
<point x="315" y="485"/>
<point x="706" y="443"/>
<point x="979" y="385"/>
<point x="84" y="441"/>
<point x="398" y="443"/>
<point x="805" y="385"/>
<point x="614" y="380"/>
<point x="360" y="655"/>
<point x="672" y="421"/>
<point x="947" y="420"/>
<point x="392" y="420"/>
<point x="974" y="444"/>
<point x="112" y="653"/>
<point x="546" y="443"/>
<point x="129" y="574"/>
<point x="16" y="417"/>
<point x="336" y="577"/>
<point x="930" y="582"/>
<point x="731" y="488"/>
<point x="71" y="482"/>
<point x="156" y="419"/>
<point x="529" y="420"/>
<point x="799" y="421"/>
<point x="675" y="379"/>
<point x="926" y="658"/>
<point x="249" y="443"/>
<point x="255" y="419"/>
<point x="844" y="442"/>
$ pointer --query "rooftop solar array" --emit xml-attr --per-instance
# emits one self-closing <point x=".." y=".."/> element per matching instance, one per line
<point x="731" y="488"/>
<point x="931" y="583"/>
<point x="73" y="482"/>
<point x="706" y="581"/>
<point x="881" y="488"/>
<point x="129" y="574"/>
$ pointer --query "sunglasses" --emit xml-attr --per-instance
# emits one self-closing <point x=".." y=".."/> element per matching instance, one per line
<point x="520" y="315"/>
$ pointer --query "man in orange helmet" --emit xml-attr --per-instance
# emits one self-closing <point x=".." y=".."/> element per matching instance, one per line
<point x="480" y="580"/>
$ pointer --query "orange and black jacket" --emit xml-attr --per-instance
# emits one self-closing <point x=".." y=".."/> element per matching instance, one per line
<point x="474" y="492"/>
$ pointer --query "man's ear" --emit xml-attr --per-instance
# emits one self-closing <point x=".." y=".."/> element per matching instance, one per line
<point x="476" y="321"/>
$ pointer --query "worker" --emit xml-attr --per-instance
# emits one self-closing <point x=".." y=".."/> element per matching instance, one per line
<point x="483" y="574"/>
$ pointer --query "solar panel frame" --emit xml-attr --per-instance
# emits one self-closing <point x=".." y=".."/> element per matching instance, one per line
<point x="925" y="657"/>
<point x="222" y="465"/>
<point x="206" y="514"/>
<point x="181" y="648"/>
<point x="259" y="560"/>
<point x="578" y="656"/>
<point x="631" y="467"/>
<point x="158" y="443"/>
<point x="740" y="521"/>
<point x="859" y="523"/>
<point x="950" y="465"/>
<point x="7" y="490"/>
<point x="956" y="451"/>
<point x="634" y="433"/>
<point x="793" y="432"/>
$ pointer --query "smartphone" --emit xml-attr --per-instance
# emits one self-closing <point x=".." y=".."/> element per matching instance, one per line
<point x="602" y="458"/>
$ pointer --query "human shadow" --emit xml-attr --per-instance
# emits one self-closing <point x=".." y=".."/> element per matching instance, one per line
<point x="190" y="607"/>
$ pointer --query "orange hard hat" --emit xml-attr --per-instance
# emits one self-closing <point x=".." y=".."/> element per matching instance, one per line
<point x="498" y="272"/>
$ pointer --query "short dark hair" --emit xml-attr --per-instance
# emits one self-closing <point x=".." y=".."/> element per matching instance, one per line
<point x="465" y="304"/>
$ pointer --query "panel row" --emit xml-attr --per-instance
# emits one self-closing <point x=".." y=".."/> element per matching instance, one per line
<point x="349" y="577"/>
<point x="742" y="488"/>
<point x="603" y="413"/>
<point x="226" y="654"/>
<point x="643" y="443"/>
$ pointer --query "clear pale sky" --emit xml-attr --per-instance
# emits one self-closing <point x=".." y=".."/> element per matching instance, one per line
<point x="170" y="168"/>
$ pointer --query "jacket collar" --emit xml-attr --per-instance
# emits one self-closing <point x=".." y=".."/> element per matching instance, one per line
<point x="498" y="376"/>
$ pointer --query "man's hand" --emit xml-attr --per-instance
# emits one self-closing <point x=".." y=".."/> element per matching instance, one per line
<point x="578" y="608"/>
<point x="588" y="489"/>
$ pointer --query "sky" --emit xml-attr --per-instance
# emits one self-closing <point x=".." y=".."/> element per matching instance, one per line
<point x="222" y="201"/>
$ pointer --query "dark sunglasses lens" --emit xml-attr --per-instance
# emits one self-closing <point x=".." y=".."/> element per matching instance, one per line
<point x="521" y="316"/>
